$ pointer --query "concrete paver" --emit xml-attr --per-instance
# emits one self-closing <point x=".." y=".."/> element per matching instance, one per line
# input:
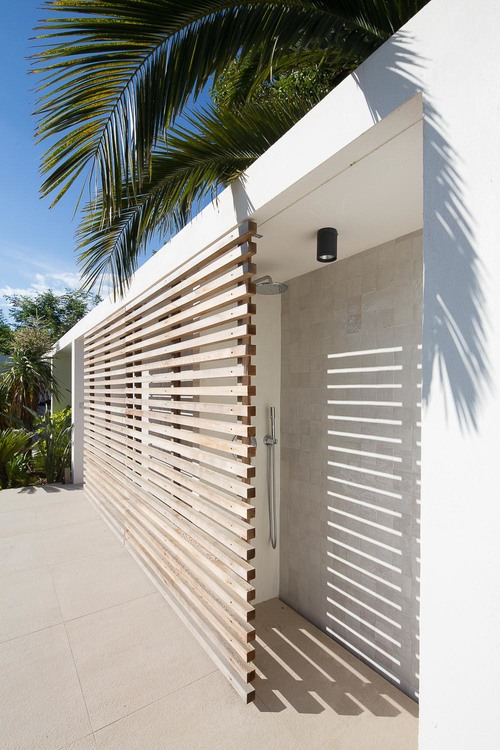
<point x="89" y="584"/>
<point x="28" y="603"/>
<point x="41" y="703"/>
<point x="76" y="541"/>
<point x="131" y="655"/>
<point x="94" y="659"/>
<point x="205" y="715"/>
<point x="22" y="552"/>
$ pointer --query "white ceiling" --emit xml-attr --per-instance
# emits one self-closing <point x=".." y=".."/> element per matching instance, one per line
<point x="375" y="199"/>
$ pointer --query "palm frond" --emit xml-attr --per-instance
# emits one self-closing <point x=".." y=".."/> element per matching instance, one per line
<point x="206" y="154"/>
<point x="115" y="75"/>
<point x="24" y="378"/>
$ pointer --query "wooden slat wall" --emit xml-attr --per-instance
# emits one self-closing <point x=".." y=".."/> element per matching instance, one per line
<point x="168" y="443"/>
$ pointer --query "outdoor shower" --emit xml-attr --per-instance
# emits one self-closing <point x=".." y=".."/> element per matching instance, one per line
<point x="270" y="441"/>
<point x="265" y="285"/>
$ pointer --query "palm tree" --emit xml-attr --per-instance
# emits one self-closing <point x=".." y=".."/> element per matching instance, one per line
<point x="117" y="74"/>
<point x="25" y="376"/>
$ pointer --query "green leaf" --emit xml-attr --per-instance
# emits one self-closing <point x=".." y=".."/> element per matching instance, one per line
<point x="210" y="151"/>
<point x="114" y="77"/>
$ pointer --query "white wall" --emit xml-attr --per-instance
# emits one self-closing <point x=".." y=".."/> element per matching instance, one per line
<point x="61" y="367"/>
<point x="460" y="600"/>
<point x="452" y="56"/>
<point x="350" y="488"/>
<point x="449" y="53"/>
<point x="267" y="381"/>
<point x="77" y="402"/>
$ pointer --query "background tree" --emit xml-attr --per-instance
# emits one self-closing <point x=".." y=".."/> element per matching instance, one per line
<point x="27" y="376"/>
<point x="117" y="75"/>
<point x="51" y="312"/>
<point x="5" y="335"/>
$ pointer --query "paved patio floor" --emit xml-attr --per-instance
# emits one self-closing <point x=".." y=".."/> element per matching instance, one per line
<point x="93" y="658"/>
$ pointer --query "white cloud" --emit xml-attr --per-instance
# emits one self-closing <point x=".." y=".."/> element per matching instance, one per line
<point x="57" y="282"/>
<point x="71" y="280"/>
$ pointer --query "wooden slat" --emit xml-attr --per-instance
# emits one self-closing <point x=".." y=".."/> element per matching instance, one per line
<point x="183" y="390"/>
<point x="148" y="338"/>
<point x="157" y="297"/>
<point x="235" y="410"/>
<point x="168" y="449"/>
<point x="192" y="578"/>
<point x="163" y="417"/>
<point x="234" y="371"/>
<point x="209" y="475"/>
<point x="239" y="332"/>
<point x="189" y="312"/>
<point x="232" y="352"/>
<point x="244" y="471"/>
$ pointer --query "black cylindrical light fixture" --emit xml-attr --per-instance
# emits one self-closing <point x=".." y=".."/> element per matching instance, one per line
<point x="326" y="251"/>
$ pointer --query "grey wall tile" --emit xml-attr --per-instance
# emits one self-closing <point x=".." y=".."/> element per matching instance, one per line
<point x="350" y="503"/>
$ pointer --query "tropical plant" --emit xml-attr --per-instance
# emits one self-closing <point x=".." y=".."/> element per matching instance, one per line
<point x="15" y="445"/>
<point x="27" y="375"/>
<point x="117" y="75"/>
<point x="54" y="313"/>
<point x="52" y="448"/>
<point x="5" y="335"/>
<point x="208" y="152"/>
<point x="20" y="470"/>
<point x="31" y="342"/>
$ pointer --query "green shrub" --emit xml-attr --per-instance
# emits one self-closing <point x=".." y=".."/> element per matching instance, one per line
<point x="20" y="471"/>
<point x="15" y="465"/>
<point x="52" y="448"/>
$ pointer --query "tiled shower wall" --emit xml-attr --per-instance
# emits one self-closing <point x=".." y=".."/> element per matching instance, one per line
<point x="350" y="453"/>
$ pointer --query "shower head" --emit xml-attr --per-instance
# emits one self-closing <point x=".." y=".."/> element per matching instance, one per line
<point x="265" y="285"/>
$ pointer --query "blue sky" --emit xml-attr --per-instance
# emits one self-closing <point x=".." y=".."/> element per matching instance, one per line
<point x="36" y="244"/>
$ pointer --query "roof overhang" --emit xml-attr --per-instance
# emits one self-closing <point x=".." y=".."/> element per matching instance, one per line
<point x="337" y="167"/>
<point x="370" y="191"/>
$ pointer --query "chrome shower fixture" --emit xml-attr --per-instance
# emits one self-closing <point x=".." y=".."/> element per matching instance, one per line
<point x="265" y="285"/>
<point x="270" y="441"/>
